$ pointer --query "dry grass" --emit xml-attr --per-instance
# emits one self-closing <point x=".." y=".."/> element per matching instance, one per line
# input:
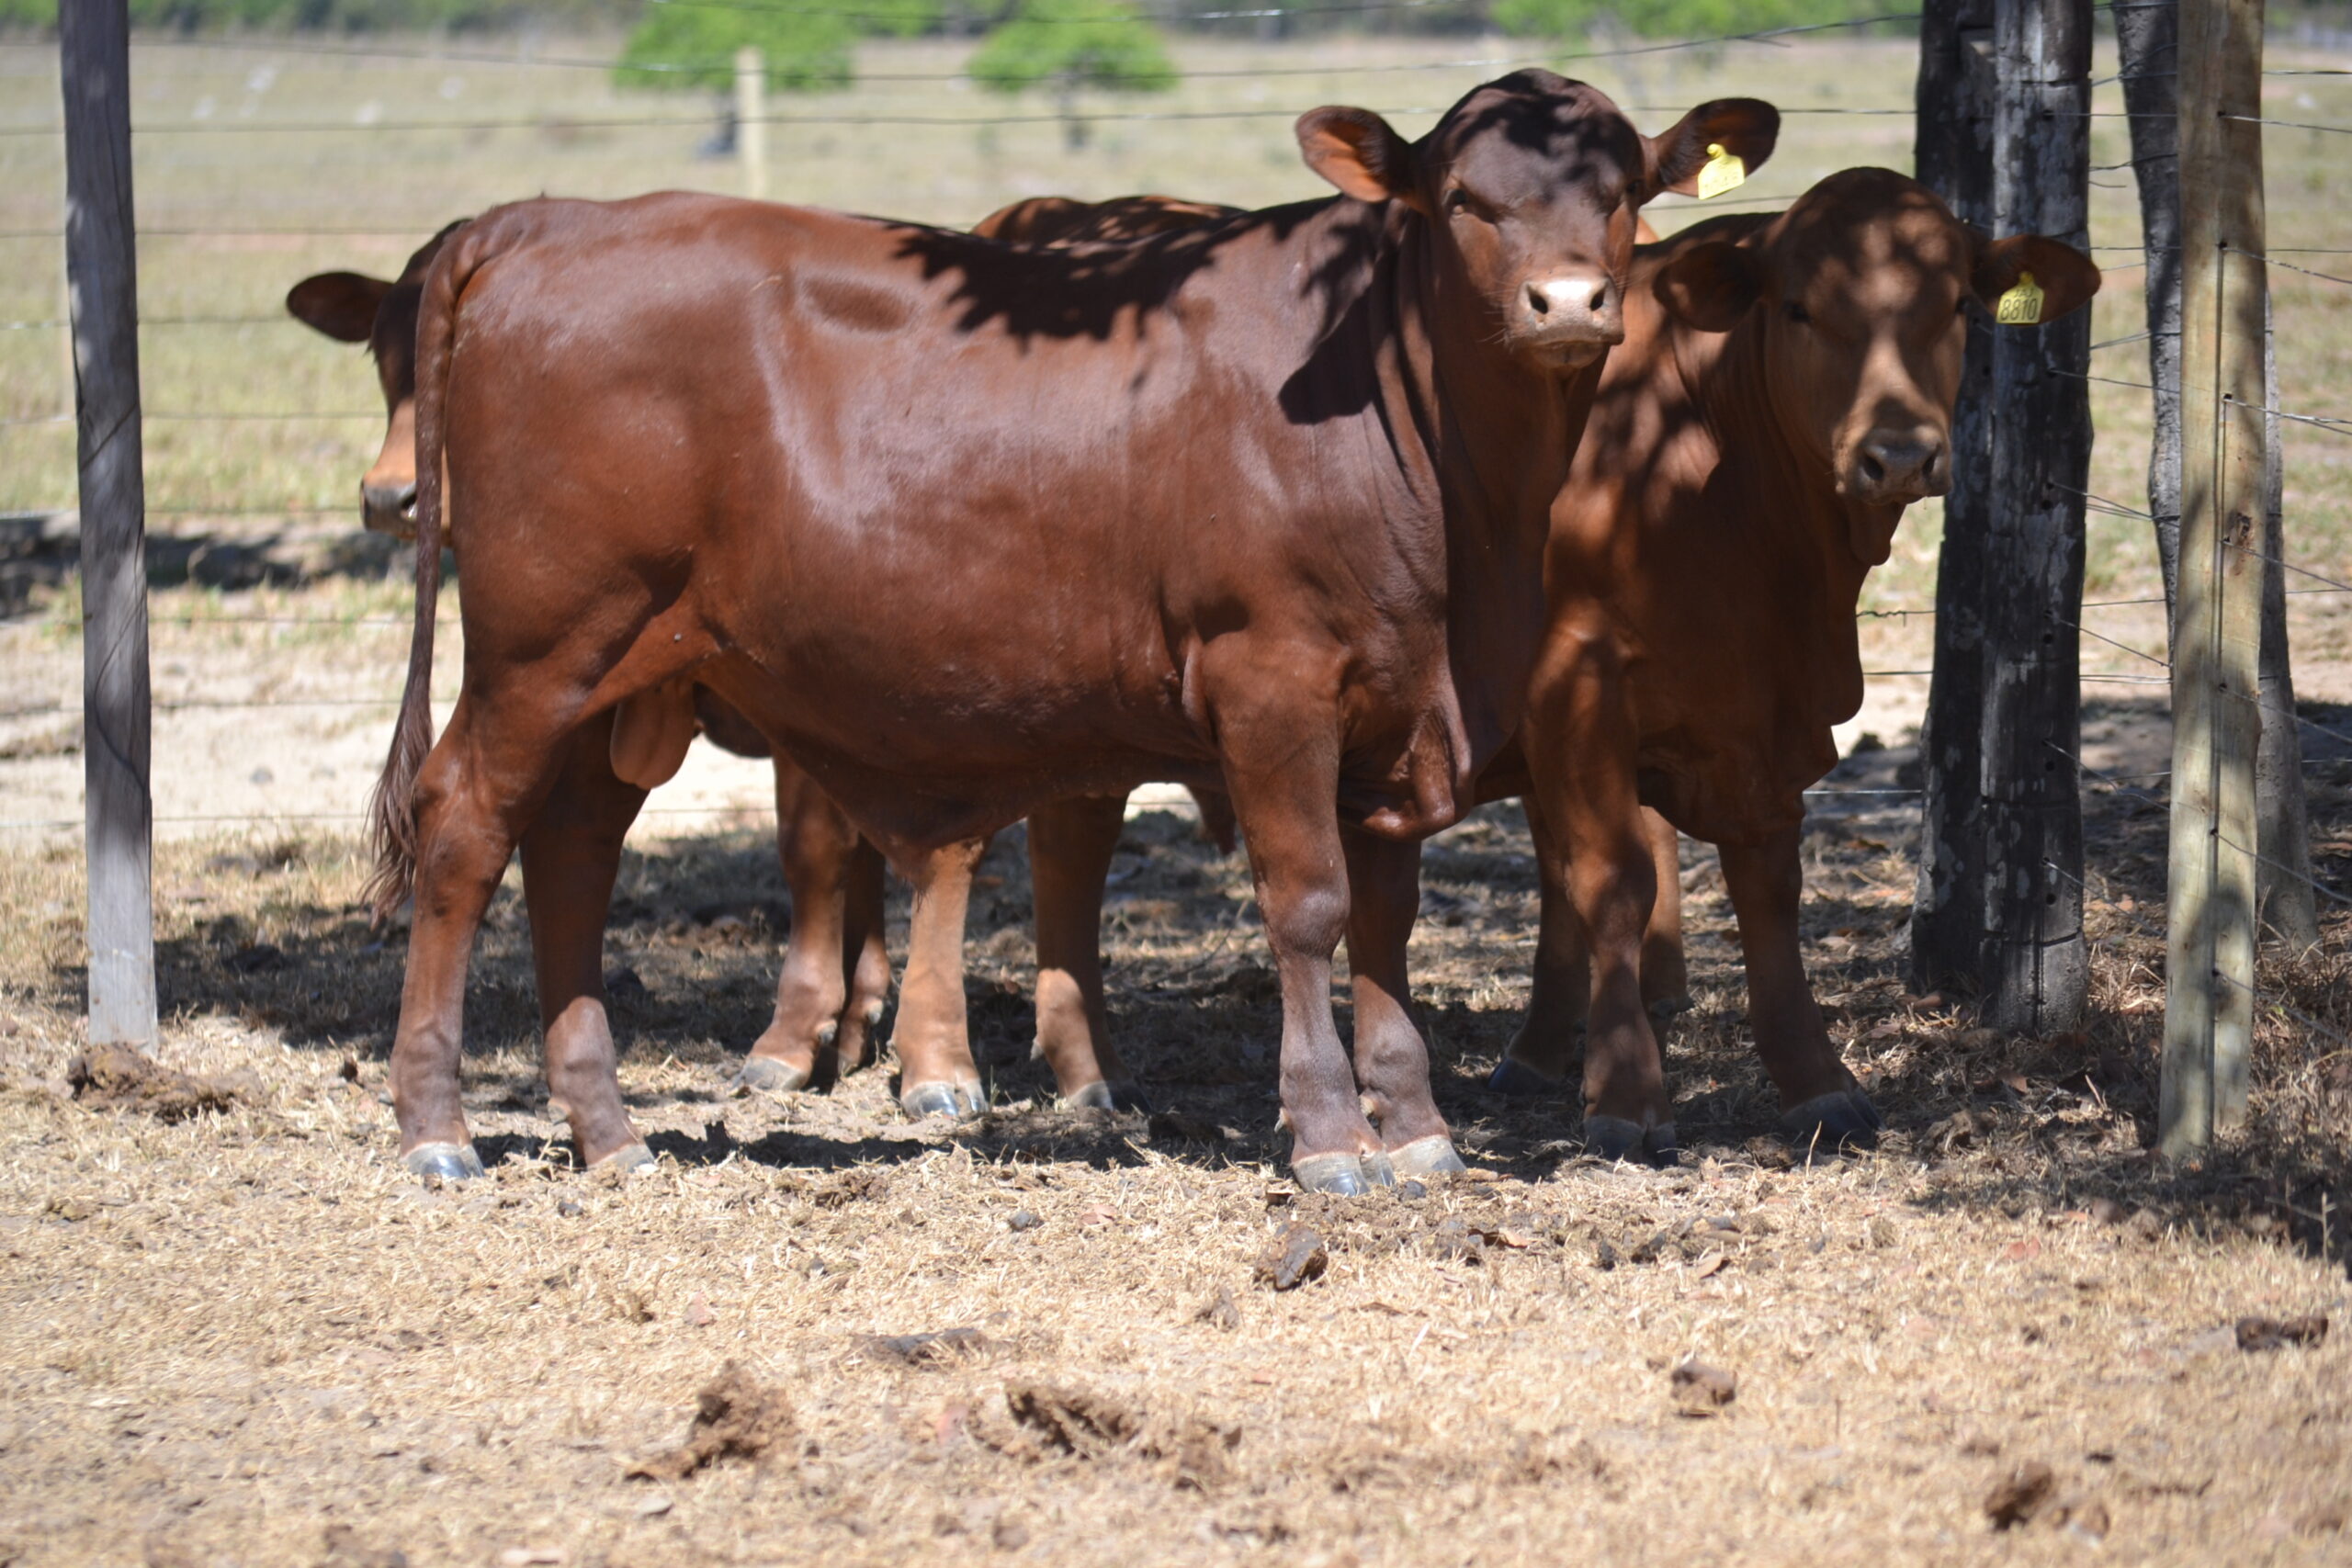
<point x="223" y="1339"/>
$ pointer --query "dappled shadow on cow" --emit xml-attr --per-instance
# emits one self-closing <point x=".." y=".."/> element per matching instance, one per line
<point x="1303" y="712"/>
<point x="1785" y="393"/>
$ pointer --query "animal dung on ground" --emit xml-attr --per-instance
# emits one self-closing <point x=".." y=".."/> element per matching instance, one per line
<point x="116" y="1077"/>
<point x="940" y="1348"/>
<point x="2020" y="1496"/>
<point x="736" y="1417"/>
<point x="1702" y="1389"/>
<point x="1220" y="1310"/>
<point x="1297" y="1255"/>
<point x="2272" y="1334"/>
<point x="1052" y="1419"/>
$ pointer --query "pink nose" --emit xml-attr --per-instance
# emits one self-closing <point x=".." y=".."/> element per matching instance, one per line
<point x="1565" y="308"/>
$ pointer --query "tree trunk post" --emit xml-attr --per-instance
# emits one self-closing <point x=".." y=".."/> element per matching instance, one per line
<point x="1953" y="154"/>
<point x="101" y="258"/>
<point x="2001" y="864"/>
<point x="2208" y="971"/>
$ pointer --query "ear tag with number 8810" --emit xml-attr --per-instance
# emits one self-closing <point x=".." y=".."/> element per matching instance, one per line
<point x="1723" y="170"/>
<point x="2021" y="306"/>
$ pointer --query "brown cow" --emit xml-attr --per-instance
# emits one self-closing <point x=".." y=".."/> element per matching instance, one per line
<point x="835" y="978"/>
<point x="836" y="974"/>
<point x="967" y="527"/>
<point x="1784" y="391"/>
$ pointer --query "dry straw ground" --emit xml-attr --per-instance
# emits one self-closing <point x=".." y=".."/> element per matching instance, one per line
<point x="245" y="1337"/>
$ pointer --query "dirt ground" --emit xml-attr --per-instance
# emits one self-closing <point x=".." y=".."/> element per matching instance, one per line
<point x="247" y="1337"/>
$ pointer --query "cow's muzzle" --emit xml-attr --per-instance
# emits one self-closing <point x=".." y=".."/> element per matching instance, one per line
<point x="1569" y="319"/>
<point x="1891" y="468"/>
<point x="389" y="508"/>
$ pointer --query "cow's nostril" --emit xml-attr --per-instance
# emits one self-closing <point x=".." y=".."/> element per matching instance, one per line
<point x="1537" y="300"/>
<point x="1601" y="297"/>
<point x="1873" y="470"/>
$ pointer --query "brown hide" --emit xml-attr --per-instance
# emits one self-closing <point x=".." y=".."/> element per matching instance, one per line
<point x="969" y="526"/>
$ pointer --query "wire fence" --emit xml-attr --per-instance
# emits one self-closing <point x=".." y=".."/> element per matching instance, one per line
<point x="2119" y="662"/>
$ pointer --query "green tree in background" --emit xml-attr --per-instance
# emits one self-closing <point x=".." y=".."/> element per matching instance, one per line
<point x="809" y="49"/>
<point x="1066" y="45"/>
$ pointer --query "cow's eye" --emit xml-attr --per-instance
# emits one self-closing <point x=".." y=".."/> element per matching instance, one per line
<point x="1796" y="312"/>
<point x="1961" y="309"/>
<point x="1457" y="199"/>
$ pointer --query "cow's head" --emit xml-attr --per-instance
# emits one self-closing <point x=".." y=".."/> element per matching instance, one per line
<point x="1531" y="187"/>
<point x="351" y="307"/>
<point x="1859" y="292"/>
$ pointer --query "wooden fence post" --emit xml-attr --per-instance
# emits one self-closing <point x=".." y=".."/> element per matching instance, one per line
<point x="1953" y="154"/>
<point x="752" y="120"/>
<point x="101" y="258"/>
<point x="2001" y="875"/>
<point x="2209" y="972"/>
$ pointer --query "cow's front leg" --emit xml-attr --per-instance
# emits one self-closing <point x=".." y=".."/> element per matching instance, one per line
<point x="1392" y="1056"/>
<point x="1281" y="764"/>
<point x="1070" y="845"/>
<point x="818" y="848"/>
<point x="1822" y="1103"/>
<point x="937" y="1073"/>
<point x="1581" y="747"/>
<point x="570" y="854"/>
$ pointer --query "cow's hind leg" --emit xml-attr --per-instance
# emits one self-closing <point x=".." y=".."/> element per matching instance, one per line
<point x="1542" y="1055"/>
<point x="1825" y="1108"/>
<point x="1391" y="1057"/>
<point x="476" y="791"/>
<point x="1666" y="974"/>
<point x="937" y="1073"/>
<point x="817" y="989"/>
<point x="1070" y="845"/>
<point x="570" y="854"/>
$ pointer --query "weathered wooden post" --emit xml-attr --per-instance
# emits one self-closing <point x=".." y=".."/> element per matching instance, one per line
<point x="101" y="258"/>
<point x="2209" y="970"/>
<point x="2147" y="38"/>
<point x="2000" y="902"/>
<point x="752" y="120"/>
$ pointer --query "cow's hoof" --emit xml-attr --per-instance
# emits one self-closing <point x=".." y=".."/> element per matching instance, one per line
<point x="1827" y="1123"/>
<point x="1615" y="1138"/>
<point x="1342" y="1174"/>
<point x="444" y="1162"/>
<point x="1515" y="1079"/>
<point x="767" y="1074"/>
<point x="956" y="1099"/>
<point x="630" y="1159"/>
<point x="1379" y="1170"/>
<point x="1432" y="1156"/>
<point x="1096" y="1096"/>
<point x="1667" y="1007"/>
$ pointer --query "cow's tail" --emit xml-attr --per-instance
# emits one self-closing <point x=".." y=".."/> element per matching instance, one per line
<point x="391" y="809"/>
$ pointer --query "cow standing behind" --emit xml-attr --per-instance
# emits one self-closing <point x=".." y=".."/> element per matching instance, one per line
<point x="966" y="527"/>
<point x="1784" y="391"/>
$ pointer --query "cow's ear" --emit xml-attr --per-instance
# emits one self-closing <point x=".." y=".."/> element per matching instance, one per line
<point x="2067" y="277"/>
<point x="1745" y="129"/>
<point x="340" y="304"/>
<point x="1361" y="153"/>
<point x="1710" y="287"/>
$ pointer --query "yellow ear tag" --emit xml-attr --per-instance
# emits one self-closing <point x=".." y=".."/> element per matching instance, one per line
<point x="1722" y="172"/>
<point x="2021" y="306"/>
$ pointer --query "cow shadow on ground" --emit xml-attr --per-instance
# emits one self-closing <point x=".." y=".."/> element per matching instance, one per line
<point x="40" y="554"/>
<point x="257" y="934"/>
